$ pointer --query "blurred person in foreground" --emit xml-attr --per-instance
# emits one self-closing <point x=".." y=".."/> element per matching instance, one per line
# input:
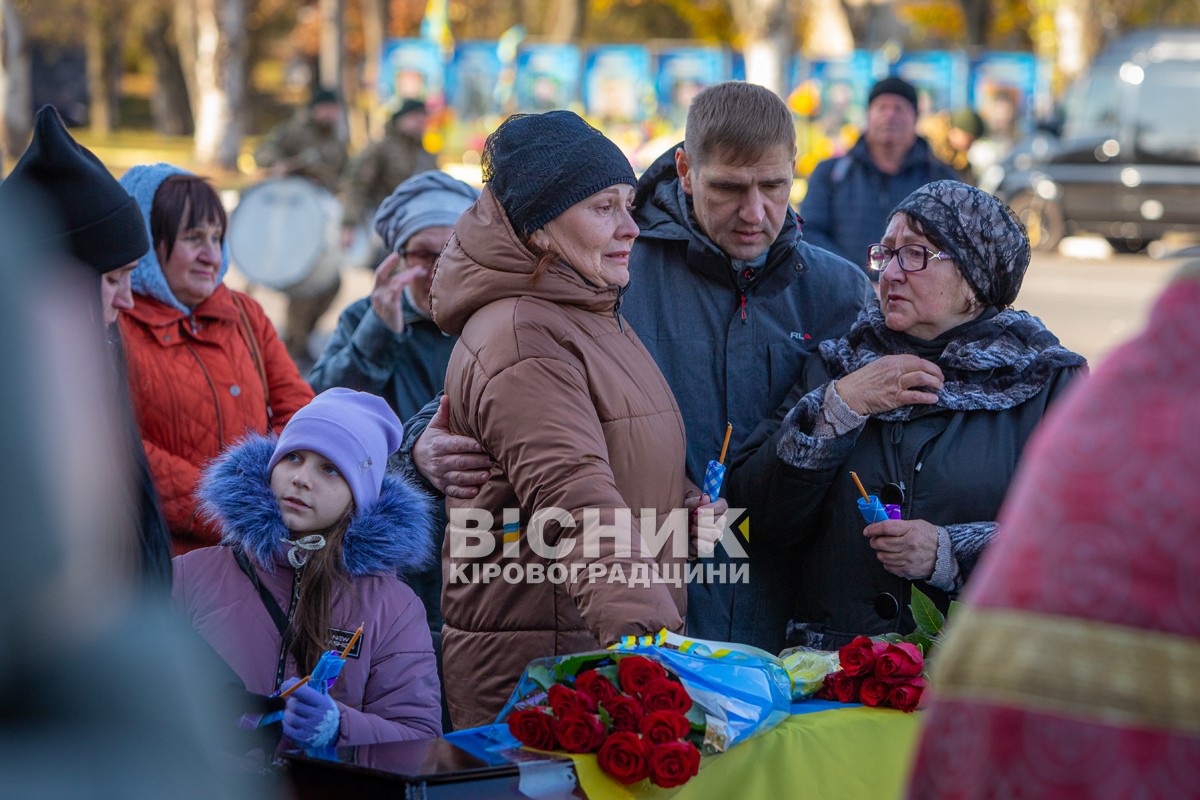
<point x="936" y="393"/>
<point x="850" y="197"/>
<point x="555" y="385"/>
<point x="1073" y="669"/>
<point x="205" y="364"/>
<point x="95" y="222"/>
<point x="105" y="694"/>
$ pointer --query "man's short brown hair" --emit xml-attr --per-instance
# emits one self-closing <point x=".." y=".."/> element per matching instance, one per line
<point x="737" y="121"/>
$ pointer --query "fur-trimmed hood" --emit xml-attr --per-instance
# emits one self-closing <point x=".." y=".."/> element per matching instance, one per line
<point x="393" y="536"/>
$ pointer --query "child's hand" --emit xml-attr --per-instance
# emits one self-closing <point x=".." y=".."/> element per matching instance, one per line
<point x="310" y="718"/>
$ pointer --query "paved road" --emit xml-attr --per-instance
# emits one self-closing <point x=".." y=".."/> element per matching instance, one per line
<point x="1093" y="300"/>
<point x="1093" y="304"/>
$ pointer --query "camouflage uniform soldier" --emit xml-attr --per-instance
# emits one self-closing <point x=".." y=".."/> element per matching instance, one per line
<point x="384" y="165"/>
<point x="307" y="146"/>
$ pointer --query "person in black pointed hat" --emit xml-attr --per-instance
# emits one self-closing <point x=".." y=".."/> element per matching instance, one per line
<point x="78" y="212"/>
<point x="85" y="213"/>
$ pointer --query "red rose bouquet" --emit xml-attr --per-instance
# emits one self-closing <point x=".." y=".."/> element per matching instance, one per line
<point x="877" y="673"/>
<point x="632" y="713"/>
<point x="648" y="708"/>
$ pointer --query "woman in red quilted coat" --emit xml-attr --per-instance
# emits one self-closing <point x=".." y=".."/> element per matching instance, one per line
<point x="205" y="364"/>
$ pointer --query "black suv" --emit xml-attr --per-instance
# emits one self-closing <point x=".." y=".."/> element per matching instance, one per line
<point x="1123" y="157"/>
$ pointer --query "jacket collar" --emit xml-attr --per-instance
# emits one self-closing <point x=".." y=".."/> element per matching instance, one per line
<point x="395" y="536"/>
<point x="219" y="306"/>
<point x="485" y="261"/>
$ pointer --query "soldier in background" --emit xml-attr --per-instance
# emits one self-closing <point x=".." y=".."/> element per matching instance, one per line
<point x="384" y="165"/>
<point x="309" y="146"/>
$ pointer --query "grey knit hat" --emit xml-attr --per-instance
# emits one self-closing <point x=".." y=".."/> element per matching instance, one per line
<point x="426" y="200"/>
<point x="539" y="165"/>
<point x="988" y="242"/>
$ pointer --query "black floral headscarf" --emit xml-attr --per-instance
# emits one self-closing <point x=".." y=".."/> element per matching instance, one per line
<point x="988" y="242"/>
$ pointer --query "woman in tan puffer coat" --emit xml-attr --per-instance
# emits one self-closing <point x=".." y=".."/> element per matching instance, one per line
<point x="575" y="414"/>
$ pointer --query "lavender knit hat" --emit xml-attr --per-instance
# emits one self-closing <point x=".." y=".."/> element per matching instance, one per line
<point x="354" y="430"/>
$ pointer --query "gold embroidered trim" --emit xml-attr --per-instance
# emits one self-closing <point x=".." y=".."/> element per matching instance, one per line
<point x="1108" y="673"/>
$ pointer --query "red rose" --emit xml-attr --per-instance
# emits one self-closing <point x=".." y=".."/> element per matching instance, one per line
<point x="906" y="696"/>
<point x="635" y="672"/>
<point x="858" y="658"/>
<point x="874" y="692"/>
<point x="673" y="763"/>
<point x="843" y="687"/>
<point x="665" y="726"/>
<point x="664" y="694"/>
<point x="579" y="732"/>
<point x="564" y="700"/>
<point x="595" y="685"/>
<point x="624" y="756"/>
<point x="902" y="660"/>
<point x="625" y="713"/>
<point x="533" y="727"/>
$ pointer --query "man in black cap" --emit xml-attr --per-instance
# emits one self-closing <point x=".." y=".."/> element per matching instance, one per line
<point x="74" y="210"/>
<point x="849" y="197"/>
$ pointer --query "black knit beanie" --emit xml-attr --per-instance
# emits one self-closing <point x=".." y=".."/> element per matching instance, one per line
<point x="896" y="86"/>
<point x="97" y="221"/>
<point x="539" y="165"/>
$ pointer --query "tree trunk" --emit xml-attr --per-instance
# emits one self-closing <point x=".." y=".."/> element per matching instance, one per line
<point x="169" y="102"/>
<point x="220" y="81"/>
<point x="16" y="84"/>
<point x="567" y="19"/>
<point x="185" y="41"/>
<point x="978" y="16"/>
<point x="103" y="54"/>
<point x="1071" y="27"/>
<point x="765" y="27"/>
<point x="333" y="50"/>
<point x="374" y="24"/>
<point x="827" y="31"/>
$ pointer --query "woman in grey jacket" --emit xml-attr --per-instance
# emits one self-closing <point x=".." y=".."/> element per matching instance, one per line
<point x="930" y="397"/>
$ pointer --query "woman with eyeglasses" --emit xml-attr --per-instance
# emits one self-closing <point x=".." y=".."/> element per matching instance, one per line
<point x="386" y="344"/>
<point x="930" y="400"/>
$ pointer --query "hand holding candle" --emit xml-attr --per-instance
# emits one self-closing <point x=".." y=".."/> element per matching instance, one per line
<point x="714" y="475"/>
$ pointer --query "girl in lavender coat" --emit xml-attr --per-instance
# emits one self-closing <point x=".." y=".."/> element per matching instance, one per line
<point x="312" y="525"/>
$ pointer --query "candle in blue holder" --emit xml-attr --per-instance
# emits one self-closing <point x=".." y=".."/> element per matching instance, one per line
<point x="714" y="474"/>
<point x="872" y="510"/>
<point x="869" y="505"/>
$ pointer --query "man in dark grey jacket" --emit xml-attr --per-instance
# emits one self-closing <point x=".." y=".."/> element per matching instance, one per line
<point x="849" y="197"/>
<point x="730" y="300"/>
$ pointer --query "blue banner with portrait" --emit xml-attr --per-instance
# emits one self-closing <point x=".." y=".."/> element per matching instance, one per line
<point x="547" y="77"/>
<point x="471" y="83"/>
<point x="617" y="85"/>
<point x="411" y="68"/>
<point x="842" y="86"/>
<point x="681" y="72"/>
<point x="939" y="77"/>
<point x="1006" y="90"/>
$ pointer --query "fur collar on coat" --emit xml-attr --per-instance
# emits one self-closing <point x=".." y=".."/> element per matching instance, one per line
<point x="393" y="536"/>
